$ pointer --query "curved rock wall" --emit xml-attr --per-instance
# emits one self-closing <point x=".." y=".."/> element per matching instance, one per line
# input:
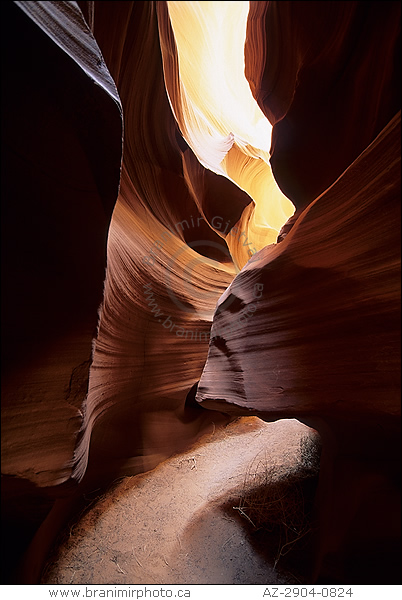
<point x="326" y="295"/>
<point x="327" y="76"/>
<point x="61" y="157"/>
<point x="311" y="327"/>
<point x="153" y="243"/>
<point x="62" y="145"/>
<point x="167" y="265"/>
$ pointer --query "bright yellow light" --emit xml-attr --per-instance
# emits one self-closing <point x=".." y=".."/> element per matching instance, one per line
<point x="220" y="119"/>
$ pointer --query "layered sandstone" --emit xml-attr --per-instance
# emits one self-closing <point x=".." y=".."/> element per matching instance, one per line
<point x="135" y="218"/>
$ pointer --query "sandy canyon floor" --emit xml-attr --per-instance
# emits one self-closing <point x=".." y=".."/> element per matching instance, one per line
<point x="233" y="509"/>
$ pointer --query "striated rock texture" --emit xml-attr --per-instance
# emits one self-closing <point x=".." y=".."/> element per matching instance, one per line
<point x="327" y="76"/>
<point x="167" y="264"/>
<point x="118" y="242"/>
<point x="311" y="327"/>
<point x="61" y="157"/>
<point x="327" y="294"/>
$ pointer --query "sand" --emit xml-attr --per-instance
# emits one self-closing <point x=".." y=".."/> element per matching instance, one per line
<point x="190" y="520"/>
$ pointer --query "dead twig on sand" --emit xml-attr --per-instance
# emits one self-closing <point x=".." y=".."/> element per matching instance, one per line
<point x="120" y="570"/>
<point x="241" y="511"/>
<point x="136" y="559"/>
<point x="228" y="540"/>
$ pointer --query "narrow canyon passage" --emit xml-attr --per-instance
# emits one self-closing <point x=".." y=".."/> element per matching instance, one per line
<point x="201" y="258"/>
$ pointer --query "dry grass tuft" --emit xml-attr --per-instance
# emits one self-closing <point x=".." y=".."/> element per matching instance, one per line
<point x="280" y="500"/>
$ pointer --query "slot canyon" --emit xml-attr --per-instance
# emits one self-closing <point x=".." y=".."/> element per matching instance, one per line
<point x="201" y="292"/>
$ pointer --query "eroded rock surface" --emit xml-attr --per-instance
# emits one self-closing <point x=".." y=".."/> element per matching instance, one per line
<point x="327" y="77"/>
<point x="118" y="244"/>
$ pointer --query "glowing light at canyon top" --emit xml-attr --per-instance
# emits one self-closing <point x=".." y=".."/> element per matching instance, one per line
<point x="220" y="119"/>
